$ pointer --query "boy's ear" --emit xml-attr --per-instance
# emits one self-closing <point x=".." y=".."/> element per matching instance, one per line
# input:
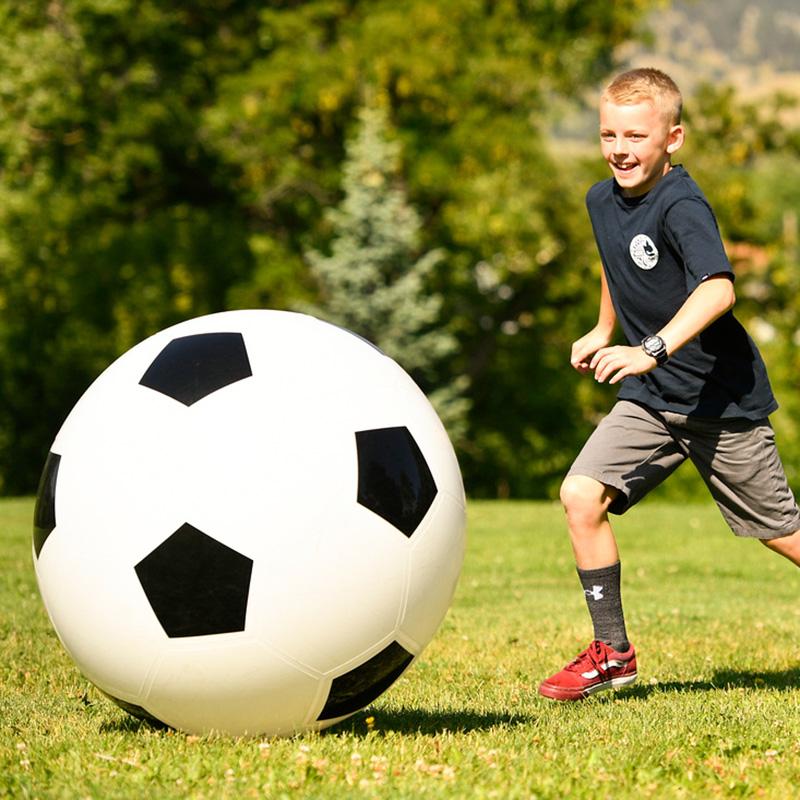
<point x="675" y="138"/>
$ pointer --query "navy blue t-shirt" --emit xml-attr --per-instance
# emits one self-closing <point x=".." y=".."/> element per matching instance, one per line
<point x="656" y="249"/>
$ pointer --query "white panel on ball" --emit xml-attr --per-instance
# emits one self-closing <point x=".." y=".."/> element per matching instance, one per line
<point x="241" y="517"/>
<point x="433" y="572"/>
<point x="185" y="676"/>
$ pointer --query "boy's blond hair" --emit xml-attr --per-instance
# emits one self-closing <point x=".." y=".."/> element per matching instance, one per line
<point x="647" y="84"/>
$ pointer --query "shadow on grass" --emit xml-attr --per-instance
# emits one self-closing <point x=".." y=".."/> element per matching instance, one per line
<point x="411" y="721"/>
<point x="131" y="724"/>
<point x="420" y="721"/>
<point x="785" y="680"/>
<point x="432" y="723"/>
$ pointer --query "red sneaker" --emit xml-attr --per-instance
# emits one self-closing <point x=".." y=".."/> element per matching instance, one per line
<point x="596" y="669"/>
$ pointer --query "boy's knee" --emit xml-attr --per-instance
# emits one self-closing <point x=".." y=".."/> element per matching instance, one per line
<point x="585" y="497"/>
<point x="571" y="492"/>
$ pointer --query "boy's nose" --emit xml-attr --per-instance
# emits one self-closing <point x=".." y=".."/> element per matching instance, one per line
<point x="620" y="145"/>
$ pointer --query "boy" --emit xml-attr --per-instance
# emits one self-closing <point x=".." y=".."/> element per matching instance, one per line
<point x="693" y="384"/>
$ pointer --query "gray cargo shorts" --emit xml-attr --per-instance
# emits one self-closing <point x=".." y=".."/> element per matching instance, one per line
<point x="635" y="448"/>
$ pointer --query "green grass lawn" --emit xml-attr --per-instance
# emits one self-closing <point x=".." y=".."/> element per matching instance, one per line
<point x="716" y="711"/>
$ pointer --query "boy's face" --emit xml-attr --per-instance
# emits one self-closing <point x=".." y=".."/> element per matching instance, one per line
<point x="637" y="142"/>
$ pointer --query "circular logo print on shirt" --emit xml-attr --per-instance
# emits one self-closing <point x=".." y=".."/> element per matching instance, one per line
<point x="643" y="251"/>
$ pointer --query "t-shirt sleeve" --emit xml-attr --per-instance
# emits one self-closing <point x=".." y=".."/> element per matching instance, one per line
<point x="691" y="229"/>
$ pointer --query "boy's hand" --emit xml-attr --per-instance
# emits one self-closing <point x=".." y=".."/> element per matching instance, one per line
<point x="615" y="363"/>
<point x="585" y="347"/>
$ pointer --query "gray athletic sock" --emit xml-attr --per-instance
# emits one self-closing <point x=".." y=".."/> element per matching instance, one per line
<point x="601" y="588"/>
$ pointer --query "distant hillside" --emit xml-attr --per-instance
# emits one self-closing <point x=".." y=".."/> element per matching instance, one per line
<point x="749" y="33"/>
<point x="755" y="46"/>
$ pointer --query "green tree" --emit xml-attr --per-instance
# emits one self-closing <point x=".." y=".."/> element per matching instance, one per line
<point x="115" y="217"/>
<point x="165" y="160"/>
<point x="374" y="282"/>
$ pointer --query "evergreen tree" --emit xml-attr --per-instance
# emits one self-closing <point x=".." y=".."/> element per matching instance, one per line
<point x="374" y="281"/>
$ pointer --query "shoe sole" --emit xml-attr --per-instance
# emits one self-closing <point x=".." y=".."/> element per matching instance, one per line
<point x="555" y="693"/>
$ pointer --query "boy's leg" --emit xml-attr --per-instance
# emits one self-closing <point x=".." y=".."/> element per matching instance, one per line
<point x="586" y="503"/>
<point x="740" y="463"/>
<point x="630" y="452"/>
<point x="787" y="546"/>
<point x="610" y="660"/>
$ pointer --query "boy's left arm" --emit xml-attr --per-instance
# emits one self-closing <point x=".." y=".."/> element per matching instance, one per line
<point x="709" y="301"/>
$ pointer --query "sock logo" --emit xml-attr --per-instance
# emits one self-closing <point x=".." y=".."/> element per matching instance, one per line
<point x="596" y="592"/>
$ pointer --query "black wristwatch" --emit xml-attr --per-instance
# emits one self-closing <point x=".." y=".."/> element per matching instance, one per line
<point x="655" y="347"/>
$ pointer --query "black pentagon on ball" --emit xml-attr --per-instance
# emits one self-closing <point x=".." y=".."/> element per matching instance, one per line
<point x="196" y="585"/>
<point x="394" y="479"/>
<point x="360" y="686"/>
<point x="192" y="367"/>
<point x="44" y="514"/>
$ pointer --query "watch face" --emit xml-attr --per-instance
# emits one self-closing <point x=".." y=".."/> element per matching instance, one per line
<point x="652" y="343"/>
<point x="655" y="347"/>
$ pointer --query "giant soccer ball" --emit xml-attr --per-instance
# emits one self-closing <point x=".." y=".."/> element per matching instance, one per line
<point x="252" y="523"/>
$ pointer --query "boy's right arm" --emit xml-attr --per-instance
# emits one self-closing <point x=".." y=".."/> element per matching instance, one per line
<point x="600" y="336"/>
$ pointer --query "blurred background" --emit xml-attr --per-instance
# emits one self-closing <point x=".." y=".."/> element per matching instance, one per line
<point x="412" y="169"/>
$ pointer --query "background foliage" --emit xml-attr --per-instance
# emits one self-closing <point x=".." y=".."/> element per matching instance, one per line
<point x="163" y="161"/>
